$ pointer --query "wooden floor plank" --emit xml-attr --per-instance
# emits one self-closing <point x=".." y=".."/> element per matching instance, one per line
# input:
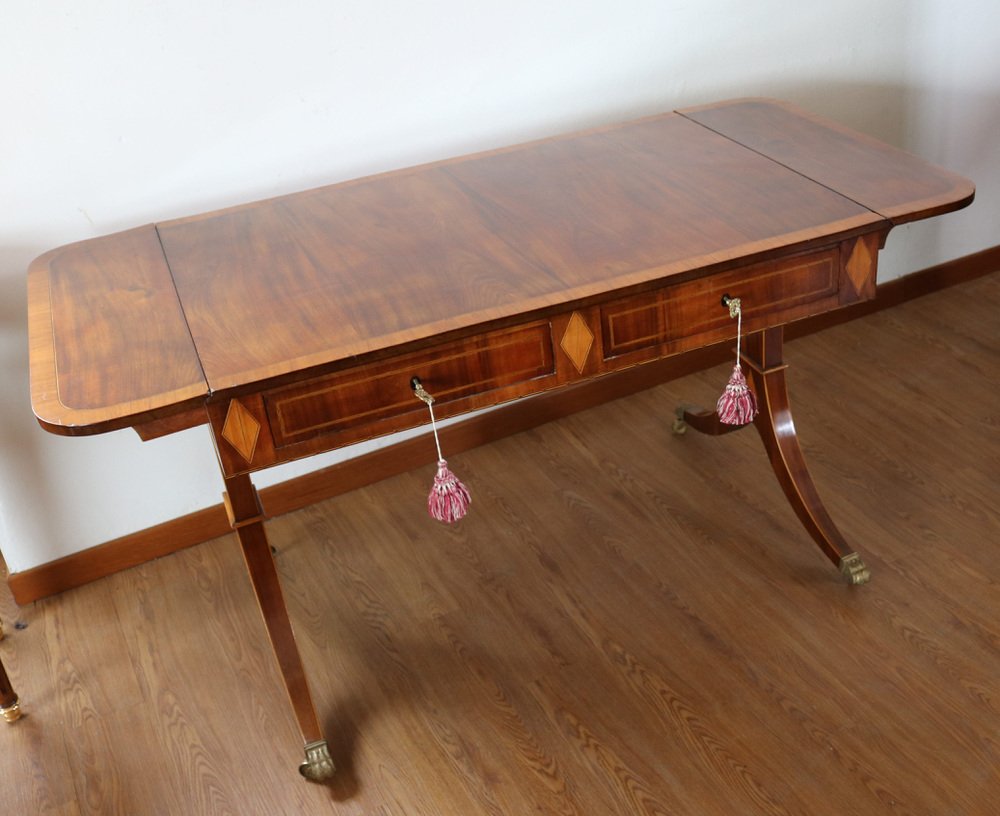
<point x="628" y="622"/>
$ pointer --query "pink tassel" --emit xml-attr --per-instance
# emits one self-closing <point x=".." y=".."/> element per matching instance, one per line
<point x="449" y="499"/>
<point x="737" y="405"/>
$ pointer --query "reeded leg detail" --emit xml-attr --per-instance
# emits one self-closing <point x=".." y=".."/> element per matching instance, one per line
<point x="318" y="765"/>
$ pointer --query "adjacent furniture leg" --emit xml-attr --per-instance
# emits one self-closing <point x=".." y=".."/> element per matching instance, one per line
<point x="10" y="709"/>
<point x="763" y="358"/>
<point x="247" y="518"/>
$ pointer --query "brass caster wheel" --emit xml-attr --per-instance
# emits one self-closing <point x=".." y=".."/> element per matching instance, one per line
<point x="11" y="713"/>
<point x="318" y="765"/>
<point x="679" y="426"/>
<point x="854" y="569"/>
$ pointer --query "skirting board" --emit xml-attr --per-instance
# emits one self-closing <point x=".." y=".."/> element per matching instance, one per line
<point x="131" y="550"/>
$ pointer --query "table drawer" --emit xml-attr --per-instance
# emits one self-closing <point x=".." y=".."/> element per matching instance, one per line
<point x="510" y="360"/>
<point x="691" y="312"/>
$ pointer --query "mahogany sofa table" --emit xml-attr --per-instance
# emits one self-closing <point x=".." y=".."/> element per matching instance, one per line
<point x="294" y="325"/>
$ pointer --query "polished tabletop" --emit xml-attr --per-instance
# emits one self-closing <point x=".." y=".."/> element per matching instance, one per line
<point x="132" y="325"/>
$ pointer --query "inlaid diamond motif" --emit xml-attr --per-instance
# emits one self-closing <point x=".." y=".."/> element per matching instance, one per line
<point x="241" y="430"/>
<point x="859" y="265"/>
<point x="577" y="340"/>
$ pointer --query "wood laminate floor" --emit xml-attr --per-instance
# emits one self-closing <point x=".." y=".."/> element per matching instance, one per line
<point x="629" y="622"/>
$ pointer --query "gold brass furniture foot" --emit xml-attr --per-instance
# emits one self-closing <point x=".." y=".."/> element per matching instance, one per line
<point x="11" y="713"/>
<point x="318" y="765"/>
<point x="679" y="426"/>
<point x="854" y="569"/>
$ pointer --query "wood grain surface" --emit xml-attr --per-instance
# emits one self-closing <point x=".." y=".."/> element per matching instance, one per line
<point x="108" y="338"/>
<point x="360" y="267"/>
<point x="883" y="179"/>
<point x="137" y="327"/>
<point x="627" y="622"/>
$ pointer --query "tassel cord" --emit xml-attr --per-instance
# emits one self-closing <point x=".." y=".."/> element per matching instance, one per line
<point x="437" y="442"/>
<point x="449" y="499"/>
<point x="421" y="393"/>
<point x="739" y="335"/>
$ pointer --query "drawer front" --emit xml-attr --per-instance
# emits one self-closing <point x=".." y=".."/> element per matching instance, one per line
<point x="257" y="430"/>
<point x="691" y="313"/>
<point x="504" y="359"/>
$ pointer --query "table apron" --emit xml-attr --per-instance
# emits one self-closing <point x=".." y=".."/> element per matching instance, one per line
<point x="278" y="424"/>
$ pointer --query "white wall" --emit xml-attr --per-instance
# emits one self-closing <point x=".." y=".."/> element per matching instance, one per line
<point x="122" y="112"/>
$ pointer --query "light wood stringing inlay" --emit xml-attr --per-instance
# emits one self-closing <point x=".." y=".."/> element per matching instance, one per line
<point x="475" y="366"/>
<point x="693" y="308"/>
